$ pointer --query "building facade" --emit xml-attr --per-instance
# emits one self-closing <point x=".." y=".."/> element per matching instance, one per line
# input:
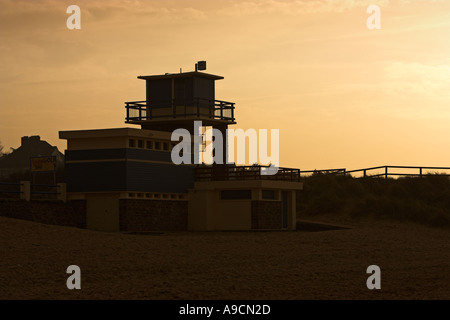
<point x="129" y="182"/>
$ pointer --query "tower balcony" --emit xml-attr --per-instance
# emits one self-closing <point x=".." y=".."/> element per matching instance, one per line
<point x="171" y="112"/>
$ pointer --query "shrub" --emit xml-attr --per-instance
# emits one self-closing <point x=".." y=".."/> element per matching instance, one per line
<point x="423" y="200"/>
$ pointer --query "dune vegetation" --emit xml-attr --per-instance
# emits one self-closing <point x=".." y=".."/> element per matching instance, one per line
<point x="423" y="200"/>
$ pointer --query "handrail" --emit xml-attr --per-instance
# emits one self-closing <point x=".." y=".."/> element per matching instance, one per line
<point x="16" y="184"/>
<point x="36" y="188"/>
<point x="386" y="173"/>
<point x="371" y="168"/>
<point x="225" y="173"/>
<point x="340" y="170"/>
<point x="216" y="109"/>
<point x="33" y="191"/>
<point x="45" y="185"/>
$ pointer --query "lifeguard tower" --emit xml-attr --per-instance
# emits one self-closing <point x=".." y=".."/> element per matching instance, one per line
<point x="130" y="183"/>
<point x="176" y="100"/>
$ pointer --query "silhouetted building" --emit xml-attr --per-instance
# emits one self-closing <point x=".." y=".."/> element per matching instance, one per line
<point x="130" y="183"/>
<point x="18" y="161"/>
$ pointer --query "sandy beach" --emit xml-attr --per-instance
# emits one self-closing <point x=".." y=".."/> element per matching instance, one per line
<point x="414" y="262"/>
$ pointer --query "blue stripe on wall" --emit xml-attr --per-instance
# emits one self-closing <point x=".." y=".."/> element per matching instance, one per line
<point x="122" y="153"/>
<point x="128" y="176"/>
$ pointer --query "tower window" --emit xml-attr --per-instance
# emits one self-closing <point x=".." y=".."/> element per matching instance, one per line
<point x="165" y="146"/>
<point x="149" y="144"/>
<point x="140" y="144"/>
<point x="157" y="145"/>
<point x="131" y="143"/>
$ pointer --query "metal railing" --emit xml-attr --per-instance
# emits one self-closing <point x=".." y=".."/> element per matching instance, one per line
<point x="138" y="111"/>
<point x="421" y="171"/>
<point x="386" y="171"/>
<point x="26" y="190"/>
<point x="10" y="189"/>
<point x="225" y="173"/>
<point x="44" y="191"/>
<point x="323" y="171"/>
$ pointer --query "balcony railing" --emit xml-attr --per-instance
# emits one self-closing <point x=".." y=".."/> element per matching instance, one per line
<point x="224" y="173"/>
<point x="138" y="111"/>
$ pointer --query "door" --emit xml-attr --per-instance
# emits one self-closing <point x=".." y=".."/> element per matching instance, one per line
<point x="102" y="212"/>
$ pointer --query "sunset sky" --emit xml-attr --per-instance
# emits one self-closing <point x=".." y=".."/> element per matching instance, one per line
<point x="343" y="96"/>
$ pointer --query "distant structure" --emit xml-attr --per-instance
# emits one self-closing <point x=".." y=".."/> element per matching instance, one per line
<point x="18" y="161"/>
<point x="130" y="183"/>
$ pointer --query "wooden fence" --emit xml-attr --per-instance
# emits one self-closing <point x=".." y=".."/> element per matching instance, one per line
<point x="386" y="171"/>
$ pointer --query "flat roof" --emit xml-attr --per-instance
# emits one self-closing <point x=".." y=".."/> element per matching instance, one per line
<point x="112" y="132"/>
<point x="182" y="75"/>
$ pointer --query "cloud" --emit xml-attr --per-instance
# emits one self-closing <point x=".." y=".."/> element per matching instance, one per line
<point x="21" y="13"/>
<point x="414" y="78"/>
<point x="296" y="7"/>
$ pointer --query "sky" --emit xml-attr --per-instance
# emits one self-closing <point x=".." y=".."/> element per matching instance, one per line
<point x="342" y="95"/>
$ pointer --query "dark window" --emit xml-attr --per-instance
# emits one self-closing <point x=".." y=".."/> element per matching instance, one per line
<point x="159" y="92"/>
<point x="165" y="146"/>
<point x="157" y="145"/>
<point x="235" y="194"/>
<point x="131" y="143"/>
<point x="140" y="144"/>
<point x="149" y="145"/>
<point x="268" y="194"/>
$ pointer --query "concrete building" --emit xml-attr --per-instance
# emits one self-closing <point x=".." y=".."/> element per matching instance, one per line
<point x="130" y="183"/>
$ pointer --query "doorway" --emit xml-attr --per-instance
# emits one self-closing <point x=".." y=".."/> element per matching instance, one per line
<point x="102" y="212"/>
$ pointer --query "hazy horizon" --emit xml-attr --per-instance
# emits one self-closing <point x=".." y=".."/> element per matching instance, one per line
<point x="342" y="95"/>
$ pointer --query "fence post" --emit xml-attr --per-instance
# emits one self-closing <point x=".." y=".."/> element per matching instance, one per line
<point x="420" y="172"/>
<point x="62" y="192"/>
<point x="25" y="189"/>
<point x="386" y="172"/>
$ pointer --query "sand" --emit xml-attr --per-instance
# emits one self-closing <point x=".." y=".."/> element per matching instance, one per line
<point x="414" y="262"/>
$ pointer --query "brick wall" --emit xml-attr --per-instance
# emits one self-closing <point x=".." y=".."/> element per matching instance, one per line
<point x="71" y="213"/>
<point x="266" y="214"/>
<point x="153" y="215"/>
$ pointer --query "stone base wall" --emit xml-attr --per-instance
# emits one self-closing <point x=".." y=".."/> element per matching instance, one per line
<point x="266" y="214"/>
<point x="134" y="214"/>
<point x="71" y="213"/>
<point x="153" y="215"/>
